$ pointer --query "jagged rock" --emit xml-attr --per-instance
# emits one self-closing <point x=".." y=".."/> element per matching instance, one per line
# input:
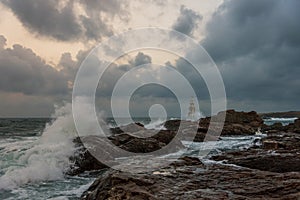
<point x="83" y="160"/>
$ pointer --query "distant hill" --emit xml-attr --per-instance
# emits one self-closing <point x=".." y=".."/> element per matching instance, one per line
<point x="288" y="114"/>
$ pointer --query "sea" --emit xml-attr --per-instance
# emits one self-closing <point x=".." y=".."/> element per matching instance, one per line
<point x="35" y="155"/>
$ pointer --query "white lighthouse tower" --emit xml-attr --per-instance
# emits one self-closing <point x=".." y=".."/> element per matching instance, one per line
<point x="192" y="109"/>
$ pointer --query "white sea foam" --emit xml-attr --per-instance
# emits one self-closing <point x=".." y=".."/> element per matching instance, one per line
<point x="156" y="124"/>
<point x="281" y="119"/>
<point x="48" y="157"/>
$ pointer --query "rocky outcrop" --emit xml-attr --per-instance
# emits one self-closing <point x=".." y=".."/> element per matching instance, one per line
<point x="189" y="178"/>
<point x="236" y="123"/>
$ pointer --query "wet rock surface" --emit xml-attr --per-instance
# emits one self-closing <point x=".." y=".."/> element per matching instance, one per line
<point x="147" y="141"/>
<point x="189" y="178"/>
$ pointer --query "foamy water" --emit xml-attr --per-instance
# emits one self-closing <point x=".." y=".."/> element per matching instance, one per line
<point x="283" y="121"/>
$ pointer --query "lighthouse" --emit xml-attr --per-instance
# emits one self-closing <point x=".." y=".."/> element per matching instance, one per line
<point x="192" y="109"/>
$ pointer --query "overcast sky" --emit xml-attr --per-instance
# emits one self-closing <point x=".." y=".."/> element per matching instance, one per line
<point x="255" y="44"/>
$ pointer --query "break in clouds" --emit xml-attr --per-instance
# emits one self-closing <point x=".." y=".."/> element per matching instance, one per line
<point x="255" y="44"/>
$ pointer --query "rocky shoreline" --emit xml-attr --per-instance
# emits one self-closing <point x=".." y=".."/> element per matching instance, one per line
<point x="270" y="168"/>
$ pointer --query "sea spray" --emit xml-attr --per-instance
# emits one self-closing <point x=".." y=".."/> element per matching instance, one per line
<point x="156" y="124"/>
<point x="48" y="157"/>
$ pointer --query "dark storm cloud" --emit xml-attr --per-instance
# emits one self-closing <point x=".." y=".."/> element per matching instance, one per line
<point x="256" y="45"/>
<point x="187" y="21"/>
<point x="24" y="72"/>
<point x="44" y="18"/>
<point x="61" y="22"/>
<point x="242" y="27"/>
